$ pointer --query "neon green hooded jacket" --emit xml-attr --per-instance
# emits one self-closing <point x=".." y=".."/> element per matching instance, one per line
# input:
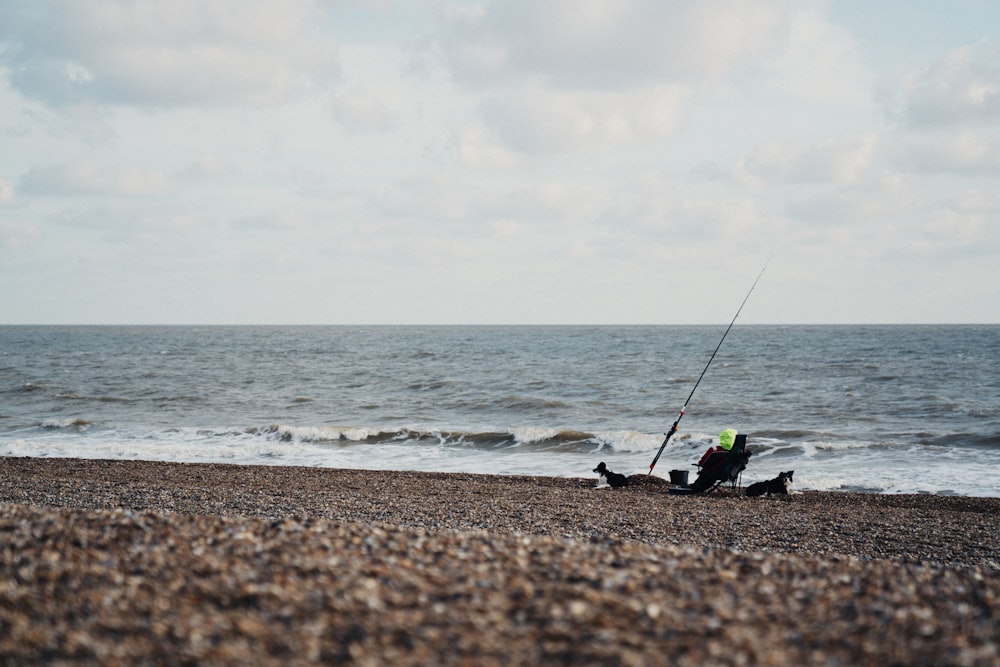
<point x="727" y="438"/>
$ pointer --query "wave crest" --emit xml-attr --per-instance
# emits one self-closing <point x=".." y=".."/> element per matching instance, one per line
<point x="526" y="438"/>
<point x="71" y="423"/>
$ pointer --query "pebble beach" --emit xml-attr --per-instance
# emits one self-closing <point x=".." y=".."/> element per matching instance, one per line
<point x="131" y="562"/>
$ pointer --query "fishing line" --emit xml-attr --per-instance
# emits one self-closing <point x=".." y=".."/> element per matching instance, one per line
<point x="673" y="429"/>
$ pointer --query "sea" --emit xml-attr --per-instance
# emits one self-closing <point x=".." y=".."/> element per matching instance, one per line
<point x="881" y="409"/>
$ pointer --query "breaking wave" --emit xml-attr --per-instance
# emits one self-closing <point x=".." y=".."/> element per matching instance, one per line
<point x="525" y="438"/>
<point x="71" y="423"/>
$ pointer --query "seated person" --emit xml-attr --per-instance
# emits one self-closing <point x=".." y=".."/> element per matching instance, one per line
<point x="726" y="440"/>
<point x="713" y="462"/>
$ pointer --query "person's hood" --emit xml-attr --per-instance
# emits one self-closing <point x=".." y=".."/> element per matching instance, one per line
<point x="727" y="438"/>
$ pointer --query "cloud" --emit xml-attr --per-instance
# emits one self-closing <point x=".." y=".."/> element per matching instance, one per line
<point x="970" y="153"/>
<point x="817" y="45"/>
<point x="725" y="223"/>
<point x="830" y="161"/>
<point x="361" y="109"/>
<point x="609" y="44"/>
<point x="165" y="54"/>
<point x="539" y="121"/>
<point x="6" y="192"/>
<point x="282" y="221"/>
<point x="88" y="178"/>
<point x="17" y="233"/>
<point x="967" y="220"/>
<point x="207" y="166"/>
<point x="562" y="75"/>
<point x="159" y="224"/>
<point x="964" y="87"/>
<point x="876" y="206"/>
<point x="477" y="146"/>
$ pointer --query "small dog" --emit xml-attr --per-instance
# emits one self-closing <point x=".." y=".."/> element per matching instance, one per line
<point x="780" y="485"/>
<point x="606" y="478"/>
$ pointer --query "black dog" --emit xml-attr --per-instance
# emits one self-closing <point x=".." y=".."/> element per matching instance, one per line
<point x="779" y="485"/>
<point x="608" y="478"/>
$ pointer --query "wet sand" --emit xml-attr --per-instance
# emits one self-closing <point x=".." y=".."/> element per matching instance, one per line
<point x="114" y="562"/>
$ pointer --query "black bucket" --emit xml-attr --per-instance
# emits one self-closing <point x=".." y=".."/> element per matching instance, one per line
<point x="679" y="477"/>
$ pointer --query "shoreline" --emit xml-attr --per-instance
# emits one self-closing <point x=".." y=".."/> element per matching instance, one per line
<point x="134" y="561"/>
<point x="810" y="521"/>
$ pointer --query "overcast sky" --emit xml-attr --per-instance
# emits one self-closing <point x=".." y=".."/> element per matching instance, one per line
<point x="523" y="161"/>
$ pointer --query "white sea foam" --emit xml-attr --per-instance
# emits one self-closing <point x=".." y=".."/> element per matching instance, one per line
<point x="528" y="435"/>
<point x="631" y="441"/>
<point x="67" y="423"/>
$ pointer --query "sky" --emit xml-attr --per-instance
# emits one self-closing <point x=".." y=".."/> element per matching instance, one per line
<point x="510" y="162"/>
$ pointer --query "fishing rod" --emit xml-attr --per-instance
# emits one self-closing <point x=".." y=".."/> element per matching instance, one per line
<point x="673" y="429"/>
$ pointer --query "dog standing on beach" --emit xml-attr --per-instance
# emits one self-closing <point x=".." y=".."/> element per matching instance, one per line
<point x="780" y="485"/>
<point x="606" y="478"/>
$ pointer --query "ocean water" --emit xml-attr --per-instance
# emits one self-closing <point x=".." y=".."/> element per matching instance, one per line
<point x="881" y="409"/>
